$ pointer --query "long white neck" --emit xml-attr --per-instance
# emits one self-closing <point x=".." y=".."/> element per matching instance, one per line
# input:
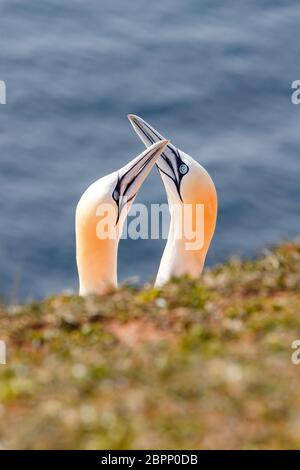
<point x="98" y="268"/>
<point x="178" y="259"/>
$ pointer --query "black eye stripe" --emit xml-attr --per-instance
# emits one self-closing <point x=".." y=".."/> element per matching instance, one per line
<point x="118" y="194"/>
<point x="181" y="168"/>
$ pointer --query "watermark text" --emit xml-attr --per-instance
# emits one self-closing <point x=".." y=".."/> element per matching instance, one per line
<point x="295" y="98"/>
<point x="2" y="353"/>
<point x="2" y="92"/>
<point x="184" y="222"/>
<point x="295" y="358"/>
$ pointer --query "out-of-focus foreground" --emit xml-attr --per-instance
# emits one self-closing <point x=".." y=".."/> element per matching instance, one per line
<point x="198" y="364"/>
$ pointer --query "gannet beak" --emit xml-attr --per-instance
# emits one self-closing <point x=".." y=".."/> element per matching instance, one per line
<point x="171" y="163"/>
<point x="132" y="175"/>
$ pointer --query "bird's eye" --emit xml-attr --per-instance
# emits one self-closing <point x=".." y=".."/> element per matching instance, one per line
<point x="116" y="195"/>
<point x="183" y="169"/>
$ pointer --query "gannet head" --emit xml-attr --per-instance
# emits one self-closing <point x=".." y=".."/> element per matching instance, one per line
<point x="188" y="185"/>
<point x="184" y="178"/>
<point x="100" y="215"/>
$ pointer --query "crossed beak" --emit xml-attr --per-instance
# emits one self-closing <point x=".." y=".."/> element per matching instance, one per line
<point x="132" y="175"/>
<point x="171" y="163"/>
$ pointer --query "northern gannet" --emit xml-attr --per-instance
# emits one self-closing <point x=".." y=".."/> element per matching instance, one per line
<point x="97" y="255"/>
<point x="188" y="186"/>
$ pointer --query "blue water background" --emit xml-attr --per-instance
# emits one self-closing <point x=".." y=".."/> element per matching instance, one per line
<point x="213" y="76"/>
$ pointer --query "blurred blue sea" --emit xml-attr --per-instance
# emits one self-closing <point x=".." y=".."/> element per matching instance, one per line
<point x="214" y="77"/>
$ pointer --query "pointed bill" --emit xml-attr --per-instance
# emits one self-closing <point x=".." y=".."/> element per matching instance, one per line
<point x="171" y="163"/>
<point x="132" y="175"/>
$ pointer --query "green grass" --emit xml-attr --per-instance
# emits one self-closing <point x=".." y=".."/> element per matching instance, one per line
<point x="199" y="364"/>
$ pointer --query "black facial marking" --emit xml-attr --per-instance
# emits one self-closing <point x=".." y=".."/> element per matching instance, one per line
<point x="125" y="181"/>
<point x="182" y="168"/>
<point x="116" y="197"/>
<point x="116" y="192"/>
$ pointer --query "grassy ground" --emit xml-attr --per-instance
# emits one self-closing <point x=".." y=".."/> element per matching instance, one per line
<point x="199" y="364"/>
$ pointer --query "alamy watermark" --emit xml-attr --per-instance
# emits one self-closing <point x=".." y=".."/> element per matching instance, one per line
<point x="2" y="352"/>
<point x="2" y="92"/>
<point x="295" y="97"/>
<point x="184" y="221"/>
<point x="295" y="357"/>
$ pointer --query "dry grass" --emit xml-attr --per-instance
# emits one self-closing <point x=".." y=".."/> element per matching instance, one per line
<point x="198" y="364"/>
